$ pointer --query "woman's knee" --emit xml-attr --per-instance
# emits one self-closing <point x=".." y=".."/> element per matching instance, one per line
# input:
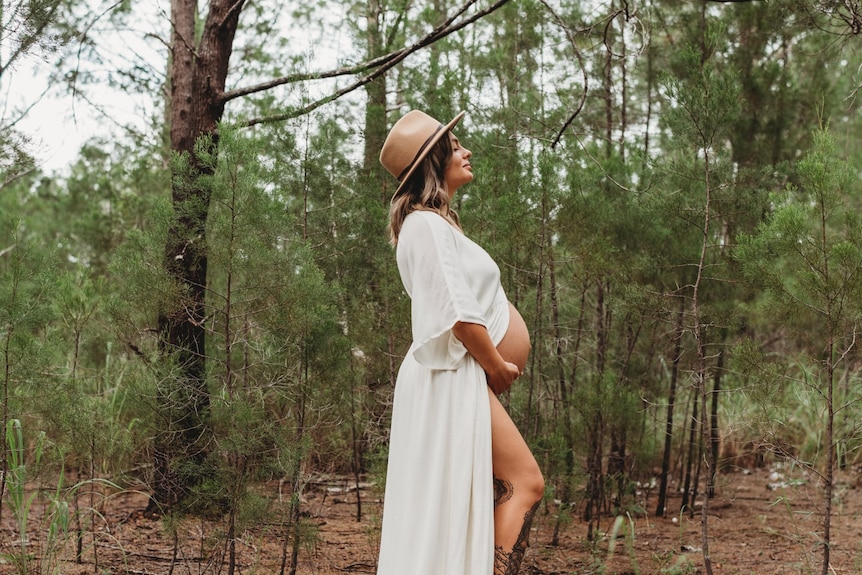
<point x="532" y="484"/>
<point x="536" y="484"/>
<point x="525" y="488"/>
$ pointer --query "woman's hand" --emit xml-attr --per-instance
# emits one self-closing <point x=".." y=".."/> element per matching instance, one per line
<point x="500" y="373"/>
<point x="502" y="380"/>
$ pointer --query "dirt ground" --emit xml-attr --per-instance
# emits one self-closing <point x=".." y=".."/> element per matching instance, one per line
<point x="762" y="522"/>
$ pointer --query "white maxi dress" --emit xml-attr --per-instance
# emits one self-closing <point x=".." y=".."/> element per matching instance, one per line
<point x="438" y="514"/>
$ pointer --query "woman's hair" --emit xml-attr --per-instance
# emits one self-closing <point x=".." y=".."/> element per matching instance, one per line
<point x="425" y="190"/>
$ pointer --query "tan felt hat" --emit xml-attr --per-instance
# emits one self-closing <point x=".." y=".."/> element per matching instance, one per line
<point x="409" y="141"/>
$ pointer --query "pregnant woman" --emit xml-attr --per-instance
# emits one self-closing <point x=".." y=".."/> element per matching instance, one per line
<point x="461" y="485"/>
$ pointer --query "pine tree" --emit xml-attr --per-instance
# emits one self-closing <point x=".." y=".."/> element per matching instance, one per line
<point x="806" y="256"/>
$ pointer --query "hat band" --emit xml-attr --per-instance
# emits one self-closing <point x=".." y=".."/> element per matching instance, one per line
<point x="419" y="151"/>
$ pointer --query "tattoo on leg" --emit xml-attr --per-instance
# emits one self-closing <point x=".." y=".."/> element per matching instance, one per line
<point x="502" y="491"/>
<point x="501" y="561"/>
<point x="510" y="564"/>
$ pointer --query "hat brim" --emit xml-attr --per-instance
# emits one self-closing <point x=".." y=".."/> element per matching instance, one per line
<point x="431" y="143"/>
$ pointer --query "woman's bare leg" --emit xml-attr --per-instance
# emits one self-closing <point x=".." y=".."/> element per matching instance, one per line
<point x="518" y="490"/>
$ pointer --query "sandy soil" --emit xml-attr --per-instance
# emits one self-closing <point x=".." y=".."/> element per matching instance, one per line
<point x="764" y="522"/>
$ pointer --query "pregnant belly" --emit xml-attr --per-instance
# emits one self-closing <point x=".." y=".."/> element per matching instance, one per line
<point x="515" y="345"/>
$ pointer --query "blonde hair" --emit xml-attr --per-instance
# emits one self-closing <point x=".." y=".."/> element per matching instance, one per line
<point x="425" y="190"/>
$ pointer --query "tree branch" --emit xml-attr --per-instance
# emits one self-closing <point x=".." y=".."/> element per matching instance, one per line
<point x="9" y="179"/>
<point x="28" y="37"/>
<point x="302" y="77"/>
<point x="436" y="34"/>
<point x="237" y="7"/>
<point x="583" y="71"/>
<point x="381" y="65"/>
<point x="82" y="38"/>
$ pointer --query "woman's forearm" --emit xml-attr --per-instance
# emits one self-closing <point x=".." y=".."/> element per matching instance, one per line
<point x="476" y="339"/>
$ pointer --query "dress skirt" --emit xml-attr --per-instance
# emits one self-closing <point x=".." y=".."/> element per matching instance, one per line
<point x="439" y="500"/>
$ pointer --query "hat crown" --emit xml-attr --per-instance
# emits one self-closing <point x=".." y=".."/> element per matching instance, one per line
<point x="406" y="142"/>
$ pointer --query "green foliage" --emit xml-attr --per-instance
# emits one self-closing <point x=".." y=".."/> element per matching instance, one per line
<point x="625" y="525"/>
<point x="27" y="351"/>
<point x="703" y="103"/>
<point x="15" y="161"/>
<point x="807" y="253"/>
<point x="276" y="344"/>
<point x="55" y="520"/>
<point x="682" y="566"/>
<point x="26" y="27"/>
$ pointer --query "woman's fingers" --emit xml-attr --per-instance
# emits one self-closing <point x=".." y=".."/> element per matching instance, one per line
<point x="503" y="381"/>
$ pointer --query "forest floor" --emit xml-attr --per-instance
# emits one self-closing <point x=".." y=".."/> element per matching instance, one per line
<point x="762" y="522"/>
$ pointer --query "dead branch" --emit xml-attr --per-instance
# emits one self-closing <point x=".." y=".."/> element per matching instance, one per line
<point x="583" y="71"/>
<point x="380" y="65"/>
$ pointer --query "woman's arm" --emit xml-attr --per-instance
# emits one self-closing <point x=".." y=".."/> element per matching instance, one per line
<point x="475" y="338"/>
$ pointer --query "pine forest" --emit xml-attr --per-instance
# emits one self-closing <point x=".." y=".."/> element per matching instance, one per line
<point x="201" y="317"/>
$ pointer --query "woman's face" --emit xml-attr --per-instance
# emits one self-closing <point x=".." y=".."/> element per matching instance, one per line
<point x="458" y="171"/>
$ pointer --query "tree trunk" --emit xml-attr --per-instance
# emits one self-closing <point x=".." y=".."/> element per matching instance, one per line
<point x="197" y="75"/>
<point x="566" y="391"/>
<point x="702" y="369"/>
<point x="687" y="492"/>
<point x="829" y="444"/>
<point x="375" y="106"/>
<point x="714" y="435"/>
<point x="595" y="437"/>
<point x="661" y="505"/>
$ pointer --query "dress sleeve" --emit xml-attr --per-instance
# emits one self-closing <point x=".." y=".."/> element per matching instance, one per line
<point x="434" y="276"/>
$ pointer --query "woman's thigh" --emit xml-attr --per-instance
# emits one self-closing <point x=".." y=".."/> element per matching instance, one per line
<point x="512" y="460"/>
